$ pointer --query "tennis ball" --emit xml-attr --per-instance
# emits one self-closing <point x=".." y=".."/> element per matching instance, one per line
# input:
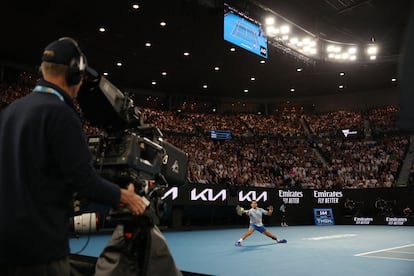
<point x="242" y="209"/>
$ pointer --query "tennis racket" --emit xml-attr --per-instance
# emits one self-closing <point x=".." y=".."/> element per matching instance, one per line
<point x="239" y="210"/>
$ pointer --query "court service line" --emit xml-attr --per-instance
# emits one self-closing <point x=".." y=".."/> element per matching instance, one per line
<point x="404" y="252"/>
<point x="392" y="258"/>
<point x="330" y="237"/>
<point x="382" y="250"/>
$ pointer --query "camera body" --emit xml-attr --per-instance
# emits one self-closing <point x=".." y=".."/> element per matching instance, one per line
<point x="130" y="151"/>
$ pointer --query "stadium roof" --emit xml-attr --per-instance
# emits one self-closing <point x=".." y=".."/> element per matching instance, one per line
<point x="196" y="27"/>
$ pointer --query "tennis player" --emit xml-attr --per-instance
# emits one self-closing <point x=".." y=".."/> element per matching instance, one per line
<point x="255" y="214"/>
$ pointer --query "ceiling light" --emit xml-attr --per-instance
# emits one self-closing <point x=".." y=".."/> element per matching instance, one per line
<point x="270" y="31"/>
<point x="342" y="74"/>
<point x="153" y="82"/>
<point x="372" y="50"/>
<point x="294" y="40"/>
<point x="135" y="6"/>
<point x="246" y="90"/>
<point x="216" y="68"/>
<point x="262" y="61"/>
<point x="330" y="48"/>
<point x="306" y="40"/>
<point x="186" y="54"/>
<point x="393" y="79"/>
<point x="119" y="64"/>
<point x="312" y="51"/>
<point x="352" y="50"/>
<point x="285" y="29"/>
<point x="341" y="86"/>
<point x="205" y="86"/>
<point x="270" y="21"/>
<point x="164" y="73"/>
<point x="105" y="73"/>
<point x="147" y="44"/>
<point x="299" y="69"/>
<point x="102" y="29"/>
<point x="292" y="90"/>
<point x="232" y="49"/>
<point x="252" y="78"/>
<point x="163" y="24"/>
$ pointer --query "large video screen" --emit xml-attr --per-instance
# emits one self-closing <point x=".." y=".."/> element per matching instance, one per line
<point x="243" y="31"/>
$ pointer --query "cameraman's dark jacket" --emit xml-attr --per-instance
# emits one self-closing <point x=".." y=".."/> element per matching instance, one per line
<point x="44" y="159"/>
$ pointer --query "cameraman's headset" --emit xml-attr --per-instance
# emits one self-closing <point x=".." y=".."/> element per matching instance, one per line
<point x="77" y="65"/>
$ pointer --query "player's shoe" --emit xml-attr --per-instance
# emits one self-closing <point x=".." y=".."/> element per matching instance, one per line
<point x="238" y="243"/>
<point x="282" y="241"/>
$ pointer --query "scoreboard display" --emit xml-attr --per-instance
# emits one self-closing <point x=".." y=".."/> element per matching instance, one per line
<point x="323" y="216"/>
<point x="220" y="134"/>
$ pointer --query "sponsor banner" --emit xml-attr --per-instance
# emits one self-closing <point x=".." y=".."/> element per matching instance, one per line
<point x="396" y="221"/>
<point x="300" y="202"/>
<point x="363" y="220"/>
<point x="327" y="197"/>
<point x="290" y="197"/>
<point x="249" y="195"/>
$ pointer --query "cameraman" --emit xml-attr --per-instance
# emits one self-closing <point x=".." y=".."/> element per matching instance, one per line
<point x="380" y="206"/>
<point x="44" y="160"/>
<point x="350" y="208"/>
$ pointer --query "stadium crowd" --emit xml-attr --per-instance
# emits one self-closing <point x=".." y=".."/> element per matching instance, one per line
<point x="283" y="150"/>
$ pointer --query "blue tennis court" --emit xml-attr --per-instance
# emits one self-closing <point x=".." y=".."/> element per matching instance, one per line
<point x="311" y="250"/>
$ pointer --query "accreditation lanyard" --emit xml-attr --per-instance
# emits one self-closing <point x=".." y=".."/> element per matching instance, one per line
<point x="44" y="89"/>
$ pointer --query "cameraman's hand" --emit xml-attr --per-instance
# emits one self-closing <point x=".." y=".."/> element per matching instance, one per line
<point x="135" y="203"/>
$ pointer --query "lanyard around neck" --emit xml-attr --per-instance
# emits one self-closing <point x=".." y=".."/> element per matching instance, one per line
<point x="44" y="89"/>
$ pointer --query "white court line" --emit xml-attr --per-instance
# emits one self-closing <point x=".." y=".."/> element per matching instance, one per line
<point x="382" y="250"/>
<point x="330" y="237"/>
<point x="404" y="252"/>
<point x="392" y="258"/>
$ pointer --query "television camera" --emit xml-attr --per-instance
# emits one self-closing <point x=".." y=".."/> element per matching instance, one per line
<point x="129" y="151"/>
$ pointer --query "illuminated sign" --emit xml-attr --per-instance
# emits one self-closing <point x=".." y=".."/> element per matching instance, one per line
<point x="327" y="197"/>
<point x="396" y="221"/>
<point x="290" y="197"/>
<point x="208" y="195"/>
<point x="252" y="195"/>
<point x="323" y="216"/>
<point x="361" y="220"/>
